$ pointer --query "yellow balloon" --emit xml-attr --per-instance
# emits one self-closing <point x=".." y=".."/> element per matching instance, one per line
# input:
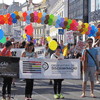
<point x="79" y="27"/>
<point x="53" y="45"/>
<point x="85" y="29"/>
<point x="48" y="38"/>
<point x="20" y="13"/>
<point x="80" y="22"/>
<point x="24" y="36"/>
<point x="86" y="25"/>
<point x="16" y="12"/>
<point x="83" y="33"/>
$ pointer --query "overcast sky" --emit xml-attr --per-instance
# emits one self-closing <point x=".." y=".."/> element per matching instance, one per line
<point x="21" y="1"/>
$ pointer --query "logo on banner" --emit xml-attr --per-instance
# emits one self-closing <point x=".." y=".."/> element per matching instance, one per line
<point x="45" y="66"/>
<point x="3" y="64"/>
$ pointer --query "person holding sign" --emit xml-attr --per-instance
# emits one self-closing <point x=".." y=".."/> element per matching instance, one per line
<point x="57" y="82"/>
<point x="29" y="52"/>
<point x="6" y="80"/>
<point x="90" y="64"/>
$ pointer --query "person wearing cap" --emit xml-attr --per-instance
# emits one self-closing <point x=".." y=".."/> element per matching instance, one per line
<point x="6" y="80"/>
<point x="57" y="82"/>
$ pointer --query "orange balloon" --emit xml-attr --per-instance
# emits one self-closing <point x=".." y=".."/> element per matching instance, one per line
<point x="98" y="29"/>
<point x="6" y="22"/>
<point x="16" y="12"/>
<point x="5" y="18"/>
<point x="39" y="20"/>
<point x="39" y="15"/>
<point x="66" y="19"/>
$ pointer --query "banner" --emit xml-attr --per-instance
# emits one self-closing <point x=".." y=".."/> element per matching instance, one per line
<point x="9" y="66"/>
<point x="17" y="35"/>
<point x="49" y="68"/>
<point x="18" y="52"/>
<point x="80" y="46"/>
<point x="69" y="37"/>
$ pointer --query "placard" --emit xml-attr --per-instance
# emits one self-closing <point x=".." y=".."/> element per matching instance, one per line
<point x="49" y="68"/>
<point x="69" y="37"/>
<point x="80" y="46"/>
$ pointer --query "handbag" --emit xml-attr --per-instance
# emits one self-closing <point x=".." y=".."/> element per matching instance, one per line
<point x="92" y="58"/>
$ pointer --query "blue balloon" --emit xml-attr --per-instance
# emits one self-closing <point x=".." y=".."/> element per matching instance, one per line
<point x="59" y="17"/>
<point x="56" y="25"/>
<point x="13" y="15"/>
<point x="44" y="14"/>
<point x="43" y="18"/>
<point x="96" y="30"/>
<point x="14" y="20"/>
<point x="89" y="35"/>
<point x="94" y="35"/>
<point x="28" y="21"/>
<point x="93" y="27"/>
<point x="29" y="12"/>
<point x="1" y="34"/>
<point x="34" y="41"/>
<point x="28" y="17"/>
<point x="28" y="37"/>
<point x="58" y="21"/>
<point x="42" y="22"/>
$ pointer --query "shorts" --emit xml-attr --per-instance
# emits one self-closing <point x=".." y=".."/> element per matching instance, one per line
<point x="89" y="73"/>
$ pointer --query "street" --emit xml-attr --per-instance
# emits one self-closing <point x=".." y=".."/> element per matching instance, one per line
<point x="71" y="90"/>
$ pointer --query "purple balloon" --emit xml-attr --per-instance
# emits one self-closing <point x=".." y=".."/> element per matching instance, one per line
<point x="34" y="41"/>
<point x="61" y="24"/>
<point x="28" y="37"/>
<point x="62" y="19"/>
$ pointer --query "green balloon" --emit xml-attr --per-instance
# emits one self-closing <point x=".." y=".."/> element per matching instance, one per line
<point x="51" y="16"/>
<point x="49" y="23"/>
<point x="68" y="26"/>
<point x="3" y="40"/>
<point x="69" y="21"/>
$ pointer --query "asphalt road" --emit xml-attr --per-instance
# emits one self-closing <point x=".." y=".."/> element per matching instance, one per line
<point x="71" y="90"/>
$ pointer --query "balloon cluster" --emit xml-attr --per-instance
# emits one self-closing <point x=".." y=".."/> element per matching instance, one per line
<point x="52" y="43"/>
<point x="43" y="18"/>
<point x="2" y="37"/>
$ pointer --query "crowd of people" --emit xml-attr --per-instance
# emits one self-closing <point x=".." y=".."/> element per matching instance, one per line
<point x="89" y="65"/>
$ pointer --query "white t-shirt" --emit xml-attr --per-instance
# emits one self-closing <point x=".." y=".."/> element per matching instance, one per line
<point x="54" y="56"/>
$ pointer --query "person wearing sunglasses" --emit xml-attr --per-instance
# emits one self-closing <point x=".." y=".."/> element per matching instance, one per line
<point x="90" y="66"/>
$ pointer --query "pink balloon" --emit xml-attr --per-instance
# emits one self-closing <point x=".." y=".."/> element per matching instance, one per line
<point x="87" y="33"/>
<point x="76" y="24"/>
<point x="35" y="13"/>
<point x="89" y="28"/>
<point x="75" y="28"/>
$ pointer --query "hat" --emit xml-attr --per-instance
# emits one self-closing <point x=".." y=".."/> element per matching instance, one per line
<point x="8" y="43"/>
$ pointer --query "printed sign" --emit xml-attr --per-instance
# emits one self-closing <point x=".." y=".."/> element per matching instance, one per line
<point x="80" y="46"/>
<point x="69" y="37"/>
<point x="49" y="68"/>
<point x="17" y="35"/>
<point x="9" y="66"/>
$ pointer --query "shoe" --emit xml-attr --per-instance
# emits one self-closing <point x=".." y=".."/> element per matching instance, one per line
<point x="50" y="83"/>
<point x="97" y="82"/>
<point x="56" y="96"/>
<point x="26" y="98"/>
<point x="9" y="97"/>
<point x="61" y="96"/>
<point x="30" y="98"/>
<point x="83" y="95"/>
<point x="4" y="97"/>
<point x="14" y="85"/>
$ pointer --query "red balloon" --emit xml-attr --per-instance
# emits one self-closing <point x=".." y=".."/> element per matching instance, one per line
<point x="25" y="14"/>
<point x="2" y="22"/>
<point x="73" y="21"/>
<point x="8" y="15"/>
<point x="1" y="17"/>
<point x="10" y="19"/>
<point x="10" y="22"/>
<point x="24" y="19"/>
<point x="29" y="29"/>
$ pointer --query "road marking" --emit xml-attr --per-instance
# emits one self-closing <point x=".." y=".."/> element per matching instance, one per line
<point x="41" y="95"/>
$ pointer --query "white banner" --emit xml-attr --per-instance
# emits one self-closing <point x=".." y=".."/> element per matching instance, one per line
<point x="49" y="68"/>
<point x="17" y="35"/>
<point x="69" y="37"/>
<point x="18" y="52"/>
<point x="80" y="46"/>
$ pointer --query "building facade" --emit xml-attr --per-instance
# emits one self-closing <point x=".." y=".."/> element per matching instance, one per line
<point x="57" y="7"/>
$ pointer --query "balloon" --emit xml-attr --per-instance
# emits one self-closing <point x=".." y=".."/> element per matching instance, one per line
<point x="28" y="37"/>
<point x="28" y="17"/>
<point x="76" y="24"/>
<point x="62" y="19"/>
<point x="48" y="38"/>
<point x="5" y="18"/>
<point x="66" y="19"/>
<point x="64" y="27"/>
<point x="8" y="15"/>
<point x="28" y="21"/>
<point x="32" y="14"/>
<point x="1" y="17"/>
<point x="69" y="21"/>
<point x="51" y="16"/>
<point x="56" y="25"/>
<point x="42" y="22"/>
<point x="25" y="14"/>
<point x="10" y="22"/>
<point x="24" y="19"/>
<point x="46" y="21"/>
<point x="86" y="25"/>
<point x="89" y="28"/>
<point x="53" y="45"/>
<point x="39" y="20"/>
<point x="87" y="33"/>
<point x="14" y="20"/>
<point x="1" y="34"/>
<point x="59" y="17"/>
<point x="21" y="18"/>
<point x="29" y="29"/>
<point x="83" y="26"/>
<point x="85" y="29"/>
<point x="61" y="24"/>
<point x="39" y="15"/>
<point x="75" y="28"/>
<point x="20" y="13"/>
<point x="28" y="12"/>
<point x="35" y="13"/>
<point x="55" y="18"/>
<point x="65" y="23"/>
<point x="17" y="17"/>
<point x="80" y="22"/>
<point x="24" y="36"/>
<point x="79" y="27"/>
<point x="3" y="40"/>
<point x="68" y="26"/>
<point x="73" y="21"/>
<point x="32" y="19"/>
<point x="98" y="29"/>
<point x="58" y="21"/>
<point x="83" y="33"/>
<point x="44" y="14"/>
<point x="13" y="15"/>
<point x="2" y="22"/>
<point x="16" y="12"/>
<point x="47" y="16"/>
<point x="34" y="41"/>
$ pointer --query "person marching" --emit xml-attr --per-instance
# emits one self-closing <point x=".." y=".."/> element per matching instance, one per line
<point x="29" y="52"/>
<point x="57" y="82"/>
<point x="90" y="64"/>
<point x="7" y="81"/>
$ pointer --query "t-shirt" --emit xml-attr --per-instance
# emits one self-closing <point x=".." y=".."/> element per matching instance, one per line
<point x="54" y="56"/>
<point x="5" y="52"/>
<point x="50" y="51"/>
<point x="98" y="48"/>
<point x="93" y="52"/>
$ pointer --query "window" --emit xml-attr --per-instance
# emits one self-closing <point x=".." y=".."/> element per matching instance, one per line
<point x="40" y="31"/>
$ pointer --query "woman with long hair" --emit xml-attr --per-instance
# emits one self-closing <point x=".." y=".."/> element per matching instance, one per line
<point x="29" y="52"/>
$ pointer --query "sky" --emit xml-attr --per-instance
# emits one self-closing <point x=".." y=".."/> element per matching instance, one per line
<point x="21" y="1"/>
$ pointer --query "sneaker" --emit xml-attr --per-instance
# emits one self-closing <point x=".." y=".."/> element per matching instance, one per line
<point x="97" y="82"/>
<point x="9" y="97"/>
<point x="56" y="96"/>
<point x="50" y="83"/>
<point x="60" y="96"/>
<point x="26" y="98"/>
